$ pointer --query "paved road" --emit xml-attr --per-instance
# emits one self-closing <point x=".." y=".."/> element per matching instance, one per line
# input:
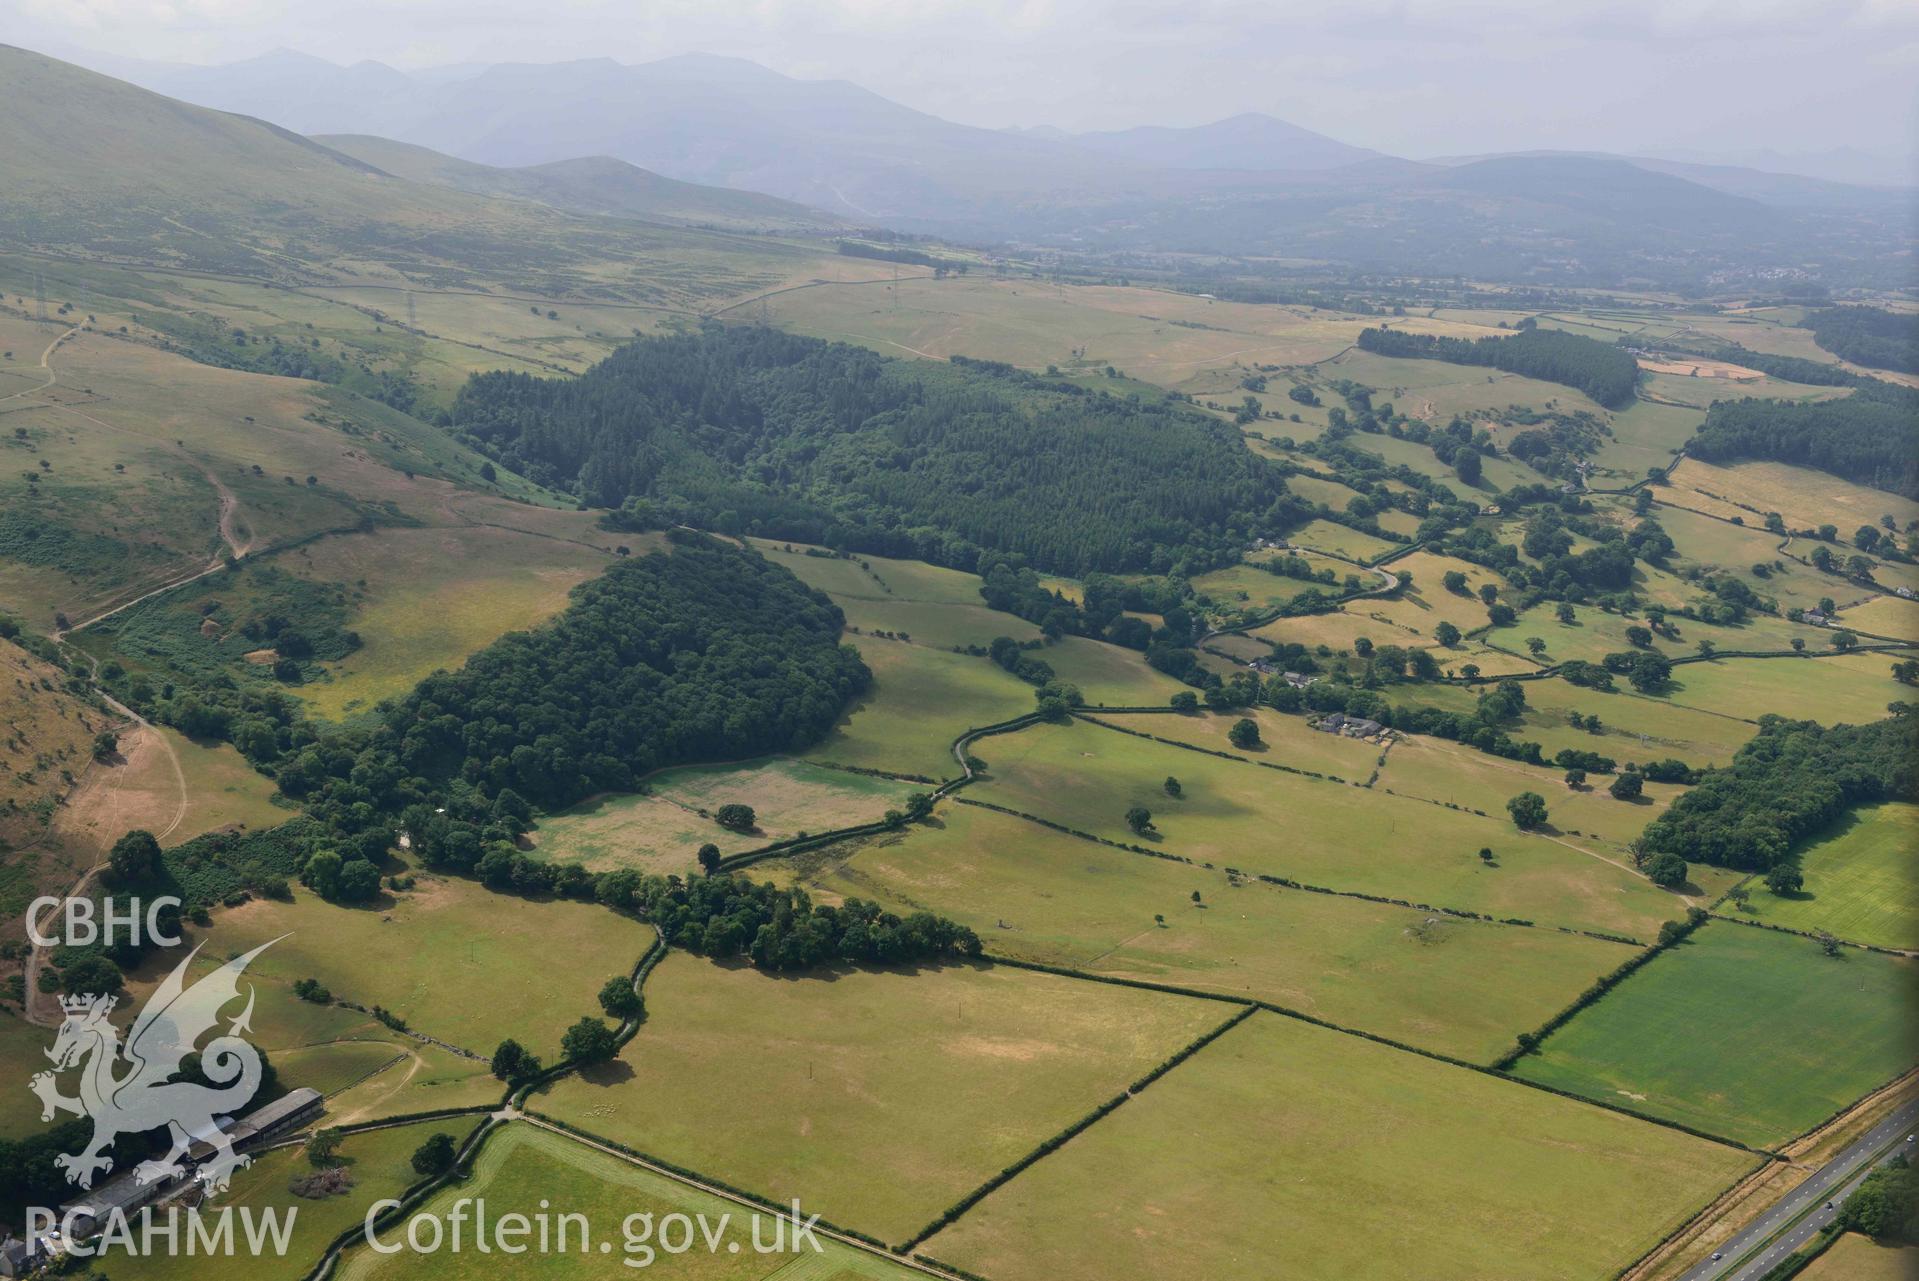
<point x="1752" y="1251"/>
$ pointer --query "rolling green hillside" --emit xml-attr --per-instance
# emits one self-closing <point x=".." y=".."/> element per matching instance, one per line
<point x="589" y="185"/>
<point x="99" y="169"/>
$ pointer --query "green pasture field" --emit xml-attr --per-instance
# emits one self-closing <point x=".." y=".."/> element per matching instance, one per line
<point x="1108" y="674"/>
<point x="425" y="599"/>
<point x="140" y="789"/>
<point x="920" y="700"/>
<point x="1735" y="549"/>
<point x="1285" y="1149"/>
<point x="1818" y="1031"/>
<point x="1700" y="393"/>
<point x="1326" y="493"/>
<point x="1806" y="498"/>
<point x="1645" y="435"/>
<point x="1247" y="585"/>
<point x="1426" y="603"/>
<point x="940" y="608"/>
<point x="525" y="1167"/>
<point x="1284" y="739"/>
<point x="1435" y="390"/>
<point x="1340" y="836"/>
<point x="661" y="829"/>
<point x="448" y="956"/>
<point x="877" y="1097"/>
<point x="1635" y="726"/>
<point x="1339" y="629"/>
<point x="1861" y="883"/>
<point x="1895" y="616"/>
<point x="379" y="1162"/>
<point x="1854" y="1257"/>
<point x="1325" y="536"/>
<point x="1458" y="987"/>
<point x="1595" y="633"/>
<point x="1497" y="472"/>
<point x="1851" y="688"/>
<point x="1434" y="769"/>
<point x="143" y="446"/>
<point x="1169" y="339"/>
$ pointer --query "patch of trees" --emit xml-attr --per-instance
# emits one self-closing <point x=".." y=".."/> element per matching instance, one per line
<point x="1793" y="779"/>
<point x="781" y="929"/>
<point x="895" y="253"/>
<point x="1601" y="370"/>
<point x="1869" y="336"/>
<point x="750" y="430"/>
<point x="708" y="653"/>
<point x="1886" y="1205"/>
<point x="1870" y="437"/>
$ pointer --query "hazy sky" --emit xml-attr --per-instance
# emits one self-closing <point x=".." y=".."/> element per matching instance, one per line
<point x="1413" y="77"/>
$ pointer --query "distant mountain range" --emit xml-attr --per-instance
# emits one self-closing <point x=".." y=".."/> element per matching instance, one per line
<point x="589" y="185"/>
<point x="101" y="170"/>
<point x="669" y="140"/>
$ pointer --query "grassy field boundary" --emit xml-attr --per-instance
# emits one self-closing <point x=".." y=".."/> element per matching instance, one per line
<point x="1049" y="1146"/>
<point x="1815" y="935"/>
<point x="695" y="1178"/>
<point x="409" y="1200"/>
<point x="1315" y="775"/>
<point x="1529" y="1042"/>
<point x="1284" y="882"/>
<point x="1389" y="1042"/>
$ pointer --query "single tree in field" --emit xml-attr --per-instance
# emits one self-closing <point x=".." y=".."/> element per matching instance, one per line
<point x="1172" y="787"/>
<point x="322" y="1145"/>
<point x="1140" y="819"/>
<point x="1528" y="810"/>
<point x="1741" y="897"/>
<point x="588" y="1041"/>
<point x="435" y="1156"/>
<point x="1785" y="878"/>
<point x="1159" y="919"/>
<point x="1195" y="896"/>
<point x="1828" y="944"/>
<point x="1535" y="646"/>
<point x="1628" y="786"/>
<point x="1488" y="592"/>
<point x="1575" y="778"/>
<point x="1639" y="637"/>
<point x="134" y="858"/>
<point x="1666" y="869"/>
<point x="1564" y="613"/>
<point x="736" y="817"/>
<point x="105" y="744"/>
<point x="709" y="857"/>
<point x="1244" y="733"/>
<point x="1446" y="634"/>
<point x="619" y="1000"/>
<point x="1485" y="854"/>
<point x="1454" y="582"/>
<point x="511" y="1062"/>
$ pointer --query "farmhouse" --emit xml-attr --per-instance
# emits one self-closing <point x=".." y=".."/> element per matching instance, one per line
<point x="1348" y="726"/>
<point x="17" y="1258"/>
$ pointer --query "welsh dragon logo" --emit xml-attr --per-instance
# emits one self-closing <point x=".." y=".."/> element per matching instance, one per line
<point x="129" y="1089"/>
